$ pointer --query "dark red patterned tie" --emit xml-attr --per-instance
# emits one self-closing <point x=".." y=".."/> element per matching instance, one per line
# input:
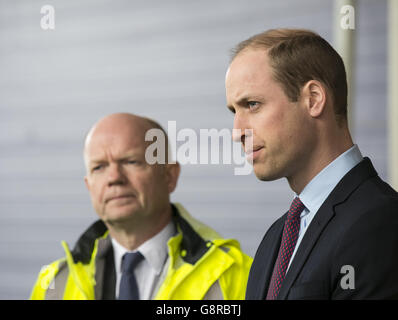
<point x="289" y="239"/>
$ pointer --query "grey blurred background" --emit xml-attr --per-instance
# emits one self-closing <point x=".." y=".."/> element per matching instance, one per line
<point x="163" y="59"/>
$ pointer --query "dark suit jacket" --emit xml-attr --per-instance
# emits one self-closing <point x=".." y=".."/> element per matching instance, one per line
<point x="356" y="226"/>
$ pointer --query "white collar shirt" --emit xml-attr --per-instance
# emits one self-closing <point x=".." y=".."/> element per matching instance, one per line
<point x="148" y="270"/>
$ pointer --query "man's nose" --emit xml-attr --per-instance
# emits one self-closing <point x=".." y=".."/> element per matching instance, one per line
<point x="116" y="175"/>
<point x="240" y="130"/>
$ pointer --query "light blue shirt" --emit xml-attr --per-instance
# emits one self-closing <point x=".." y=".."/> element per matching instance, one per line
<point x="318" y="189"/>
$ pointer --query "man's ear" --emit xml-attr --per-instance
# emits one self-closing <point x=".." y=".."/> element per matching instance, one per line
<point x="313" y="94"/>
<point x="86" y="183"/>
<point x="172" y="172"/>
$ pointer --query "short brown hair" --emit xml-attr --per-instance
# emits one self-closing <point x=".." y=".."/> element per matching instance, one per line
<point x="298" y="56"/>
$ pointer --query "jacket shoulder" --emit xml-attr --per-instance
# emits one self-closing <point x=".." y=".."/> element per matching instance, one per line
<point x="233" y="281"/>
<point x="45" y="281"/>
<point x="372" y="196"/>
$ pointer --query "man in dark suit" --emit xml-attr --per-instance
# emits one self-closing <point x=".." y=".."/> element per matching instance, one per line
<point x="339" y="239"/>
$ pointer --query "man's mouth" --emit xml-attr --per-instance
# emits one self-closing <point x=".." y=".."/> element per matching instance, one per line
<point x="120" y="197"/>
<point x="252" y="154"/>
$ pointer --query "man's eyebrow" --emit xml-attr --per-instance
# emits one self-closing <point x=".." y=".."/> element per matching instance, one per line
<point x="126" y="156"/>
<point x="242" y="101"/>
<point x="96" y="161"/>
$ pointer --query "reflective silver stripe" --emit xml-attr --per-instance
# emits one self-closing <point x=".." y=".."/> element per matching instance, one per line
<point x="56" y="288"/>
<point x="104" y="245"/>
<point x="214" y="293"/>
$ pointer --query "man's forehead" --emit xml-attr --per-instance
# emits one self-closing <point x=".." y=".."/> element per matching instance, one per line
<point x="248" y="65"/>
<point x="117" y="151"/>
<point x="116" y="140"/>
<point x="246" y="74"/>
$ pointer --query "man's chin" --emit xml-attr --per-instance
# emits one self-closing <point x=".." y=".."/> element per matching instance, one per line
<point x="118" y="218"/>
<point x="265" y="175"/>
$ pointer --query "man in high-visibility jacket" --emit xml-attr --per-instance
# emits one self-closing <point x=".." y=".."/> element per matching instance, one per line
<point x="180" y="257"/>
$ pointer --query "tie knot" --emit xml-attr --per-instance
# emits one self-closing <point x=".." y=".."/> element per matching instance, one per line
<point x="295" y="209"/>
<point x="130" y="261"/>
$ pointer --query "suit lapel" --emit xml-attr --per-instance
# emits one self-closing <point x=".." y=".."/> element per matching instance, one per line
<point x="363" y="171"/>
<point x="270" y="250"/>
<point x="320" y="221"/>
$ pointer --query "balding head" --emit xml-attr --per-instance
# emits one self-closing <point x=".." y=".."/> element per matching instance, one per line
<point x="117" y="124"/>
<point x="124" y="187"/>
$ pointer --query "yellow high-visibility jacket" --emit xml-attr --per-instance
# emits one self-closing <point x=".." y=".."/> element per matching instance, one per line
<point x="200" y="265"/>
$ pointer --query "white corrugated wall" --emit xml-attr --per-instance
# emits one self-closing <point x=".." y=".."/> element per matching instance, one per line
<point x="162" y="59"/>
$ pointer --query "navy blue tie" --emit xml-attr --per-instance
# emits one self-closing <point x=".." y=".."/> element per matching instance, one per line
<point x="128" y="284"/>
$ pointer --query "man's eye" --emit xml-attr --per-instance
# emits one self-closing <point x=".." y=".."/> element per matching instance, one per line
<point x="97" y="168"/>
<point x="252" y="104"/>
